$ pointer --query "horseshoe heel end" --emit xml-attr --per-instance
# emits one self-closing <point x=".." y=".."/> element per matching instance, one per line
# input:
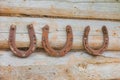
<point x="86" y="31"/>
<point x="104" y="29"/>
<point x="30" y="26"/>
<point x="87" y="28"/>
<point x="45" y="28"/>
<point x="68" y="28"/>
<point x="13" y="27"/>
<point x="12" y="31"/>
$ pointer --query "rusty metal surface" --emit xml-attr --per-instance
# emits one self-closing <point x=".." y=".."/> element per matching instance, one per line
<point x="11" y="42"/>
<point x="105" y="43"/>
<point x="51" y="51"/>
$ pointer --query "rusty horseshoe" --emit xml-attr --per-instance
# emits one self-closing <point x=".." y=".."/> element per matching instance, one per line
<point x="12" y="45"/>
<point x="97" y="51"/>
<point x="67" y="47"/>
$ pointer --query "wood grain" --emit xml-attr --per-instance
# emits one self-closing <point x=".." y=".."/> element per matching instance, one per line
<point x="57" y="33"/>
<point x="76" y="65"/>
<point x="77" y="1"/>
<point x="73" y="66"/>
<point x="63" y="9"/>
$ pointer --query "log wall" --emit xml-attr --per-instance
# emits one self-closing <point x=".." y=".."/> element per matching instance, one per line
<point x="57" y="33"/>
<point x="64" y="9"/>
<point x="77" y="64"/>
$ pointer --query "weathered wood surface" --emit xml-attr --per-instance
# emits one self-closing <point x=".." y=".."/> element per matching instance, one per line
<point x="57" y="33"/>
<point x="76" y="1"/>
<point x="73" y="66"/>
<point x="65" y="9"/>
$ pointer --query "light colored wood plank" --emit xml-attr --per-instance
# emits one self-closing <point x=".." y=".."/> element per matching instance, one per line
<point x="88" y="1"/>
<point x="57" y="33"/>
<point x="77" y="1"/>
<point x="73" y="66"/>
<point x="61" y="9"/>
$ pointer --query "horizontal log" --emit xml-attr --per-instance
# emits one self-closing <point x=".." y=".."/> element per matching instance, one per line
<point x="77" y="1"/>
<point x="88" y="1"/>
<point x="65" y="9"/>
<point x="57" y="33"/>
<point x="73" y="66"/>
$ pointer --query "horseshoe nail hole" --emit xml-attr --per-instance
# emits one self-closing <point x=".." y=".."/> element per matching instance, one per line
<point x="68" y="31"/>
<point x="12" y="28"/>
<point x="30" y="27"/>
<point x="35" y="43"/>
<point x="46" y="28"/>
<point x="106" y="43"/>
<point x="68" y="28"/>
<point x="104" y="48"/>
<point x="10" y="41"/>
<point x="33" y="35"/>
<point x="34" y="40"/>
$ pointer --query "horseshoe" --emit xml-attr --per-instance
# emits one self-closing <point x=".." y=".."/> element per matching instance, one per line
<point x="67" y="47"/>
<point x="12" y="44"/>
<point x="105" y="43"/>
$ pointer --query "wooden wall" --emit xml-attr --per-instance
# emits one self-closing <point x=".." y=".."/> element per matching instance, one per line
<point x="77" y="64"/>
